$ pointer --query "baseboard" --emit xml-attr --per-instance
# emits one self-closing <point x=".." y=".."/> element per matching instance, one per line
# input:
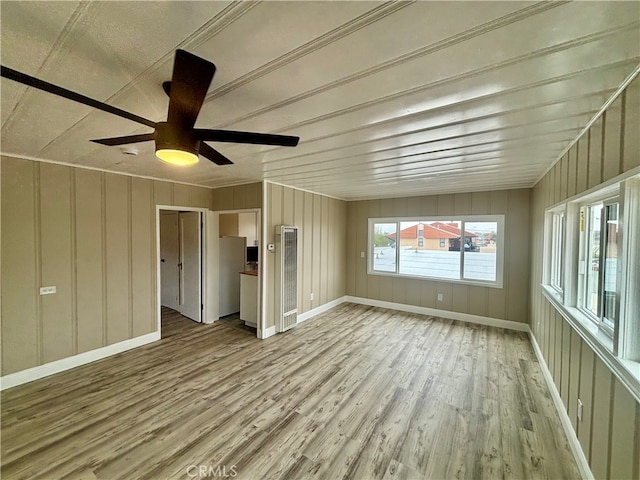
<point x="574" y="443"/>
<point x="41" y="371"/>
<point x="269" y="332"/>
<point x="463" y="317"/>
<point x="321" y="309"/>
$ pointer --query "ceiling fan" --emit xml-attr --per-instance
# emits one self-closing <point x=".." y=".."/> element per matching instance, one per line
<point x="177" y="141"/>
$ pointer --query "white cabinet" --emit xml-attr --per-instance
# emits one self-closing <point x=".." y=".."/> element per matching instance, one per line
<point x="249" y="299"/>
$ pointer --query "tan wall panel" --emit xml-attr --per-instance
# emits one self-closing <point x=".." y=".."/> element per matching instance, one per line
<point x="516" y="255"/>
<point x="398" y="290"/>
<point x="274" y="217"/>
<point x="480" y="203"/>
<point x="323" y="280"/>
<point x="461" y="203"/>
<point x="57" y="316"/>
<point x="117" y="247"/>
<point x="565" y="357"/>
<point x="631" y="141"/>
<point x="89" y="260"/>
<point x="228" y="225"/>
<point x="298" y="220"/>
<point x="595" y="154"/>
<point x="331" y="251"/>
<point x="308" y="261"/>
<point x="201" y="197"/>
<point x="239" y="196"/>
<point x="460" y="298"/>
<point x="142" y="257"/>
<point x="223" y="198"/>
<point x="316" y="232"/>
<point x="253" y="195"/>
<point x="19" y="267"/>
<point x="612" y="132"/>
<point x="624" y="434"/>
<point x="601" y="425"/>
<point x="181" y="195"/>
<point x="162" y="193"/>
<point x="361" y="277"/>
<point x="446" y="204"/>
<point x="572" y="171"/>
<point x="412" y="292"/>
<point x="478" y="301"/>
<point x="574" y="378"/>
<point x="583" y="164"/>
<point x="564" y="175"/>
<point x="385" y="289"/>
<point x="587" y="360"/>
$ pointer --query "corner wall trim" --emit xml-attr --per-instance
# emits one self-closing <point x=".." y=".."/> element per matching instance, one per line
<point x="321" y="309"/>
<point x="574" y="443"/>
<point x="41" y="371"/>
<point x="269" y="332"/>
<point x="464" y="317"/>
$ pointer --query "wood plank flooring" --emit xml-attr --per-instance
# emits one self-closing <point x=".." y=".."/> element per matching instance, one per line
<point x="357" y="393"/>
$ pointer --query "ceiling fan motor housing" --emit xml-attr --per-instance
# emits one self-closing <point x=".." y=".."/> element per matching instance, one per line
<point x="172" y="137"/>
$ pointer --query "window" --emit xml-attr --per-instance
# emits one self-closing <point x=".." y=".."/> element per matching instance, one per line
<point x="592" y="265"/>
<point x="598" y="283"/>
<point x="557" y="251"/>
<point x="462" y="249"/>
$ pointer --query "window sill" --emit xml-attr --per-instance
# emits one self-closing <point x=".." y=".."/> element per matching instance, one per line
<point x="627" y="371"/>
<point x="473" y="283"/>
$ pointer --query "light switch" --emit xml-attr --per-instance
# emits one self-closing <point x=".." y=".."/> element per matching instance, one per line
<point x="361" y="254"/>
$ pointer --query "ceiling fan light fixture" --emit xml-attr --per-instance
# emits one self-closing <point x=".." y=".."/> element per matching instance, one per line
<point x="177" y="157"/>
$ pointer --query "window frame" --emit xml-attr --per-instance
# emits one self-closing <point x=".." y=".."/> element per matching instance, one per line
<point x="618" y="347"/>
<point x="499" y="219"/>
<point x="554" y="272"/>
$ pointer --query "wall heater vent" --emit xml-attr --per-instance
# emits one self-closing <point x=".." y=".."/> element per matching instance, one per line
<point x="286" y="277"/>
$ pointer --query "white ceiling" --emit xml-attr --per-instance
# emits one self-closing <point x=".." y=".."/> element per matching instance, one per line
<point x="389" y="99"/>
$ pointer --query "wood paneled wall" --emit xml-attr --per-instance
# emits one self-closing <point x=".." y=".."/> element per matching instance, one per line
<point x="92" y="235"/>
<point x="610" y="430"/>
<point x="508" y="303"/>
<point x="238" y="197"/>
<point x="322" y="225"/>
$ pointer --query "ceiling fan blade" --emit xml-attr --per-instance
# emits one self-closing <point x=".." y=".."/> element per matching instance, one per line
<point x="191" y="78"/>
<point x="246" y="137"/>
<point x="144" y="137"/>
<point x="34" y="82"/>
<point x="213" y="155"/>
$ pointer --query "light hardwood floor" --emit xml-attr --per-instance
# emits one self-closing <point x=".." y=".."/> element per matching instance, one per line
<point x="360" y="393"/>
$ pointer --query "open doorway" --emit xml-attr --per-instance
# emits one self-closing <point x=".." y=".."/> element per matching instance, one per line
<point x="239" y="264"/>
<point x="181" y="262"/>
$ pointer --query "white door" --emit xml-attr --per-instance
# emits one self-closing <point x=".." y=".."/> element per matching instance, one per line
<point x="169" y="259"/>
<point x="190" y="266"/>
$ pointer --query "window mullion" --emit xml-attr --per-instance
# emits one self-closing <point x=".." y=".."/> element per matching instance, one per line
<point x="462" y="244"/>
<point x="398" y="243"/>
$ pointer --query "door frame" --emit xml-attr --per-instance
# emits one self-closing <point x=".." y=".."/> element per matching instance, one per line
<point x="261" y="260"/>
<point x="203" y="263"/>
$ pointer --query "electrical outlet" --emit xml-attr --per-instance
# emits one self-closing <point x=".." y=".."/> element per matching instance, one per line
<point x="440" y="297"/>
<point x="361" y="254"/>
<point x="579" y="410"/>
<point x="47" y="290"/>
<point x="311" y="296"/>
